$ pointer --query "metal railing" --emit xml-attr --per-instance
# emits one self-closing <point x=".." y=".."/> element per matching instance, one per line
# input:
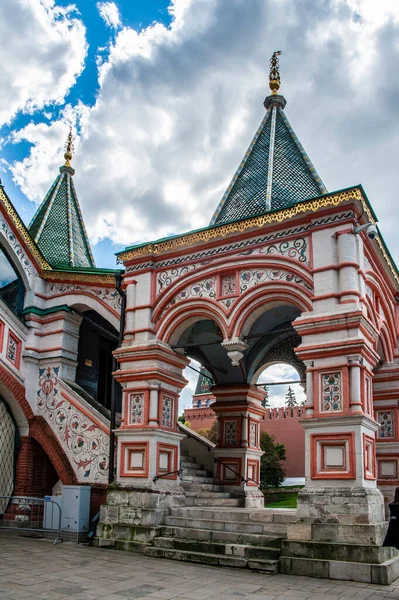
<point x="179" y="471"/>
<point x="245" y="480"/>
<point x="23" y="513"/>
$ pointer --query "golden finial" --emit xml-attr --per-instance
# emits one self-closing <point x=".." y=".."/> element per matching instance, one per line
<point x="274" y="76"/>
<point x="69" y="148"/>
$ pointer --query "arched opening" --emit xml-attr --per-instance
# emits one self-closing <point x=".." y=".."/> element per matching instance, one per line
<point x="283" y="385"/>
<point x="9" y="446"/>
<point x="97" y="340"/>
<point x="284" y="401"/>
<point x="12" y="289"/>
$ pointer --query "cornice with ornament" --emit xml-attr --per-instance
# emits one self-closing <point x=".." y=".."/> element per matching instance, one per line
<point x="218" y="232"/>
<point x="23" y="232"/>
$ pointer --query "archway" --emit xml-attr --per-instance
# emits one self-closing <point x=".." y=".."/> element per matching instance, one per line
<point x="97" y="340"/>
<point x="12" y="288"/>
<point x="9" y="446"/>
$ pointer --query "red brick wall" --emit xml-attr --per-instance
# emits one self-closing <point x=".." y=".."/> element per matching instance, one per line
<point x="282" y="423"/>
<point x="200" y="418"/>
<point x="34" y="473"/>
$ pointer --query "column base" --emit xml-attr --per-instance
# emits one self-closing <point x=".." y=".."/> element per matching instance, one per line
<point x="341" y="505"/>
<point x="133" y="515"/>
<point x="339" y="535"/>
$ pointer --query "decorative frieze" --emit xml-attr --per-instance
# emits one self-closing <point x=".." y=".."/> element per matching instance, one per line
<point x="109" y="296"/>
<point x="167" y="411"/>
<point x="17" y="248"/>
<point x="253" y="434"/>
<point x="228" y="285"/>
<point x="385" y="421"/>
<point x="230" y="432"/>
<point x="84" y="441"/>
<point x="248" y="278"/>
<point x="253" y="277"/>
<point x="331" y="392"/>
<point x="13" y="349"/>
<point x="136" y="411"/>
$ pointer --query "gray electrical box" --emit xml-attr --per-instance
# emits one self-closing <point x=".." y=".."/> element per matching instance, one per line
<point x="51" y="516"/>
<point x="75" y="507"/>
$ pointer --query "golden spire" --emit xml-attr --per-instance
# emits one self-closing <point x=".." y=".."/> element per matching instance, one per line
<point x="274" y="76"/>
<point x="69" y="148"/>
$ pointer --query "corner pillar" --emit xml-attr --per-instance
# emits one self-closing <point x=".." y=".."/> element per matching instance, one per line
<point x="148" y="445"/>
<point x="237" y="453"/>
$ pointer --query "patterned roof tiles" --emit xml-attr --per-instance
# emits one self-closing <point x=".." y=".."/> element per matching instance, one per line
<point x="274" y="173"/>
<point x="58" y="227"/>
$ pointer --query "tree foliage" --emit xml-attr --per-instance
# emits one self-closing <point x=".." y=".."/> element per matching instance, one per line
<point x="272" y="473"/>
<point x="210" y="434"/>
<point x="290" y="399"/>
<point x="266" y="400"/>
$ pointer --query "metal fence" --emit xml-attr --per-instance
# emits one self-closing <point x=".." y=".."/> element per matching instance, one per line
<point x="31" y="514"/>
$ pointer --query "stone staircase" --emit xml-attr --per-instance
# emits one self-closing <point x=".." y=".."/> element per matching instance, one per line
<point x="213" y="529"/>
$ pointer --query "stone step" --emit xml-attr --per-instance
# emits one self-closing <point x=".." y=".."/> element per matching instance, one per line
<point x="201" y="487"/>
<point x="266" y="566"/>
<point x="228" y="537"/>
<point x="212" y="501"/>
<point x="196" y="472"/>
<point x="240" y="514"/>
<point x="242" y="550"/>
<point x="206" y="494"/>
<point x="357" y="553"/>
<point x="380" y="574"/>
<point x="234" y="526"/>
<point x="197" y="479"/>
<point x="190" y="464"/>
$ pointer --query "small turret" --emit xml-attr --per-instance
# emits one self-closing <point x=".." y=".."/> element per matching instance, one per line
<point x="58" y="227"/>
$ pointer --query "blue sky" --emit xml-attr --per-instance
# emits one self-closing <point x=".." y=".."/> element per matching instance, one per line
<point x="165" y="96"/>
<point x="137" y="14"/>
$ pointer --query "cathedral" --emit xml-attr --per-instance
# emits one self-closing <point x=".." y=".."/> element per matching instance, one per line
<point x="92" y="361"/>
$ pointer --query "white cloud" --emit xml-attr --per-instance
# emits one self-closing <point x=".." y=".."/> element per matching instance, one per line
<point x="177" y="107"/>
<point x="110" y="13"/>
<point x="280" y="373"/>
<point x="43" y="51"/>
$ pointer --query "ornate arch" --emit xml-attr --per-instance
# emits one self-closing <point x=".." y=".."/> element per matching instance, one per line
<point x="40" y="431"/>
<point x="256" y="302"/>
<point x="170" y="329"/>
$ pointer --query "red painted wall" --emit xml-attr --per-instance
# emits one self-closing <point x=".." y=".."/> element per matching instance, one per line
<point x="282" y="423"/>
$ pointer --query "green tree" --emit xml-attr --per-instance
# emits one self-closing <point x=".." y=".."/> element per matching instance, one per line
<point x="290" y="399"/>
<point x="272" y="473"/>
<point x="182" y="419"/>
<point x="209" y="434"/>
<point x="266" y="400"/>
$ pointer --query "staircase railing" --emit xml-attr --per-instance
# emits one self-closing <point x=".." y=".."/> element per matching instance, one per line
<point x="238" y="474"/>
<point x="179" y="472"/>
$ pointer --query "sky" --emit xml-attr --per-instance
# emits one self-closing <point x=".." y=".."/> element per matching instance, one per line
<point x="164" y="97"/>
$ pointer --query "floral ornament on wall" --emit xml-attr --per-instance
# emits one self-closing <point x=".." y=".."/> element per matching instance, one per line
<point x="108" y="295"/>
<point x="12" y="349"/>
<point x="16" y="246"/>
<point x="331" y="390"/>
<point x="83" y="441"/>
<point x="385" y="421"/>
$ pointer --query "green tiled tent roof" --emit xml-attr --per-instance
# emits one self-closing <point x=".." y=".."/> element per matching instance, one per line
<point x="274" y="173"/>
<point x="204" y="382"/>
<point x="58" y="228"/>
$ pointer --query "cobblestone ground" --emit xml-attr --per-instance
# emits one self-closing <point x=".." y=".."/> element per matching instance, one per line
<point x="35" y="569"/>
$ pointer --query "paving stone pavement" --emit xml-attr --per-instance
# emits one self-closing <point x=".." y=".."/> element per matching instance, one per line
<point x="35" y="569"/>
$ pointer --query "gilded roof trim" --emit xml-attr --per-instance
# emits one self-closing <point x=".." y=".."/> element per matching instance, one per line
<point x="75" y="276"/>
<point x="221" y="231"/>
<point x="23" y="231"/>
